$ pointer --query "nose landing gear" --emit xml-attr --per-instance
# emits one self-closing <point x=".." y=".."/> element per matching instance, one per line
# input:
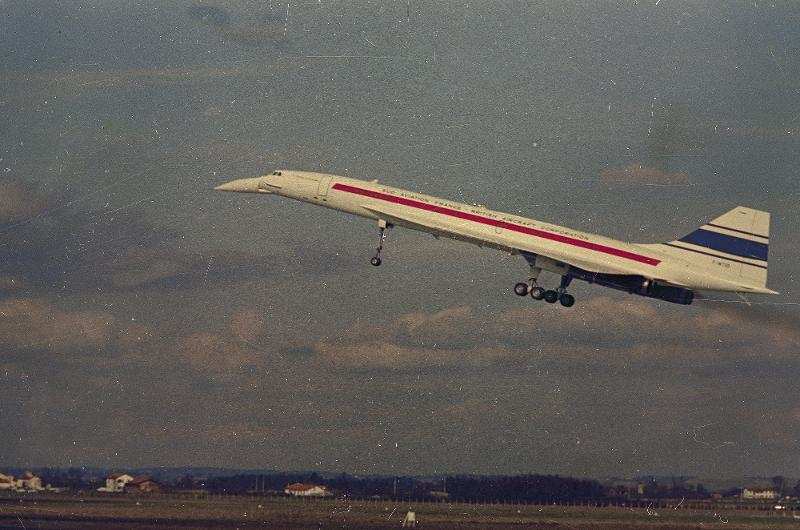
<point x="383" y="226"/>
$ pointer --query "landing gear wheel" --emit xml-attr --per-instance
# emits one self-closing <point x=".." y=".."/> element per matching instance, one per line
<point x="551" y="297"/>
<point x="521" y="289"/>
<point x="567" y="300"/>
<point x="383" y="226"/>
<point x="537" y="293"/>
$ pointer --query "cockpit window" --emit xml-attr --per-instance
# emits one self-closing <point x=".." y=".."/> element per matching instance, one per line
<point x="276" y="173"/>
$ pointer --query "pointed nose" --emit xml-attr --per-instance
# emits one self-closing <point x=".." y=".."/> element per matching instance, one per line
<point x="240" y="185"/>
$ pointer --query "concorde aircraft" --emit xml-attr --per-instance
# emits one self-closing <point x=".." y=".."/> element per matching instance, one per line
<point x="726" y="254"/>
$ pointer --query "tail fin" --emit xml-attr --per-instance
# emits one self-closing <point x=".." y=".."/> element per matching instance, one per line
<point x="734" y="245"/>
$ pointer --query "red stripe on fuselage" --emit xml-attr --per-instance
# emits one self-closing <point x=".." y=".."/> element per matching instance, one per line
<point x="413" y="203"/>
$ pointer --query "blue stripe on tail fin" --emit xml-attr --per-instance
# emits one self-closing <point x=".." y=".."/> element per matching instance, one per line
<point x="732" y="248"/>
<point x="729" y="244"/>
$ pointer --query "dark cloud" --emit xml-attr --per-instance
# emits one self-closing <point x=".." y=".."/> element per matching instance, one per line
<point x="164" y="267"/>
<point x="674" y="129"/>
<point x="115" y="246"/>
<point x="257" y="25"/>
<point x="210" y="14"/>
<point x="18" y="203"/>
<point x="150" y="267"/>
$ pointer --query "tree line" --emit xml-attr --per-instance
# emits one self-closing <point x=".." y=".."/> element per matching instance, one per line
<point x="527" y="488"/>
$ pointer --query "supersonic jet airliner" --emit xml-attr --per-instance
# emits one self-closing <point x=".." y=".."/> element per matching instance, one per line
<point x="727" y="254"/>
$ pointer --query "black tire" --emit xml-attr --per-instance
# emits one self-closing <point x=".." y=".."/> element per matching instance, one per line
<point x="551" y="297"/>
<point x="521" y="289"/>
<point x="567" y="300"/>
<point x="376" y="261"/>
<point x="537" y="293"/>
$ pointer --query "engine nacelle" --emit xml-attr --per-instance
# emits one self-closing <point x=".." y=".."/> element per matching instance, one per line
<point x="676" y="295"/>
<point x="636" y="285"/>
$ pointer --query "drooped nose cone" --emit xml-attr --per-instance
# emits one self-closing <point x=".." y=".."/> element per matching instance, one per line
<point x="249" y="185"/>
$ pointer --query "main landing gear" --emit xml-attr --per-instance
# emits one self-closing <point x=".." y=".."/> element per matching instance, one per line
<point x="530" y="288"/>
<point x="382" y="226"/>
<point x="550" y="296"/>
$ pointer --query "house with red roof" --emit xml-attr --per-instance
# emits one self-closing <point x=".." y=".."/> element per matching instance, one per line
<point x="142" y="484"/>
<point x="299" y="489"/>
<point x="116" y="483"/>
<point x="7" y="482"/>
<point x="29" y="482"/>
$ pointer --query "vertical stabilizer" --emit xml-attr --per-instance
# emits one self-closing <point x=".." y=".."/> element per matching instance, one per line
<point x="734" y="245"/>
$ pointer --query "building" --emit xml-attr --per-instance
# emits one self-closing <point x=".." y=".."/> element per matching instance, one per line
<point x="625" y="488"/>
<point x="759" y="493"/>
<point x="116" y="483"/>
<point x="142" y="484"/>
<point x="7" y="482"/>
<point x="29" y="482"/>
<point x="307" y="490"/>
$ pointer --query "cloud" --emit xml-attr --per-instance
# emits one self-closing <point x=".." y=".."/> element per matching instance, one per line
<point x="773" y="327"/>
<point x="247" y="325"/>
<point x="135" y="339"/>
<point x="209" y="14"/>
<point x="639" y="174"/>
<point x="622" y="322"/>
<point x="216" y="355"/>
<point x="18" y="202"/>
<point x="76" y="83"/>
<point x="36" y="324"/>
<point x="756" y="132"/>
<point x="165" y="266"/>
<point x="261" y="26"/>
<point x="11" y="283"/>
<point x="388" y="355"/>
<point x="615" y="328"/>
<point x="438" y="322"/>
<point x="142" y="266"/>
<point x="412" y="340"/>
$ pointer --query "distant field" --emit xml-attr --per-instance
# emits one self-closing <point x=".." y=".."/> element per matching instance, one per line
<point x="173" y="512"/>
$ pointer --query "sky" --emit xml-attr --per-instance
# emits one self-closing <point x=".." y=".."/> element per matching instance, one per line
<point x="147" y="321"/>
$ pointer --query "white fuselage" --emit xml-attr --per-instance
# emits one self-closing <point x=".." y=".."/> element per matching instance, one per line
<point x="558" y="246"/>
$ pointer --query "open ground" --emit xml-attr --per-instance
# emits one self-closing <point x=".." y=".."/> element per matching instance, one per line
<point x="181" y="512"/>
